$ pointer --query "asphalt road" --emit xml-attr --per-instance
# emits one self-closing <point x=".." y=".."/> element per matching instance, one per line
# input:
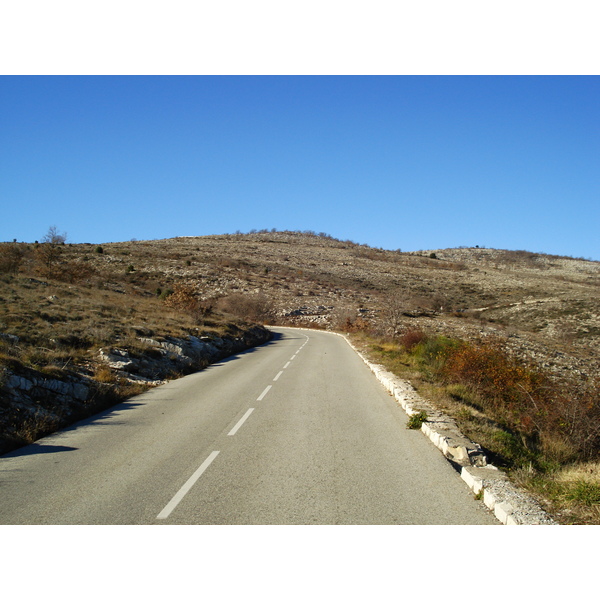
<point x="297" y="431"/>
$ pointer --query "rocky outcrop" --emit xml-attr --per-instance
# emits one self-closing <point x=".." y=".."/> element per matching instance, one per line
<point x="159" y="358"/>
<point x="35" y="403"/>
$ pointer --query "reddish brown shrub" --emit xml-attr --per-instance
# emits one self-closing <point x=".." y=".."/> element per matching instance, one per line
<point x="576" y="416"/>
<point x="182" y="298"/>
<point x="355" y="324"/>
<point x="527" y="399"/>
<point x="520" y="394"/>
<point x="74" y="271"/>
<point x="11" y="256"/>
<point x="410" y="338"/>
<point x="254" y="307"/>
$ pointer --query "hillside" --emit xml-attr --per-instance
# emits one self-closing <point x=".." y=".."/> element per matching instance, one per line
<point x="546" y="306"/>
<point x="122" y="313"/>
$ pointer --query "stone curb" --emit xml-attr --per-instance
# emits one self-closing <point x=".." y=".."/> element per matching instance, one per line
<point x="508" y="505"/>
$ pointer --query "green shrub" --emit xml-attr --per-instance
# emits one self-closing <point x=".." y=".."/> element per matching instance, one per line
<point x="415" y="421"/>
<point x="434" y="351"/>
<point x="163" y="294"/>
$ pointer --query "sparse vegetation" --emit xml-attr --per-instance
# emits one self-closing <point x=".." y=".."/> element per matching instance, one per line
<point x="529" y="424"/>
<point x="488" y="335"/>
<point x="252" y="307"/>
<point x="185" y="299"/>
<point x="61" y="305"/>
<point x="11" y="256"/>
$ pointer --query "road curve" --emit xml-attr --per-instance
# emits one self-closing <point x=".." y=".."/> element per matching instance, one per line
<point x="297" y="431"/>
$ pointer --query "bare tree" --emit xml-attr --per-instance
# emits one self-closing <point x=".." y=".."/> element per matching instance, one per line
<point x="392" y="314"/>
<point x="343" y="317"/>
<point x="54" y="236"/>
<point x="48" y="253"/>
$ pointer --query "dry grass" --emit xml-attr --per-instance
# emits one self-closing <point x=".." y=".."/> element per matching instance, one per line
<point x="56" y="325"/>
<point x="65" y="302"/>
<point x="104" y="374"/>
<point x="588" y="472"/>
<point x="571" y="493"/>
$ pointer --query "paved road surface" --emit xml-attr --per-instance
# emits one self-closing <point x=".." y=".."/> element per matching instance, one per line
<point x="297" y="431"/>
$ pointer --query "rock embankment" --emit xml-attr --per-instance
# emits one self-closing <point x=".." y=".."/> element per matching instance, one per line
<point x="35" y="403"/>
<point x="159" y="359"/>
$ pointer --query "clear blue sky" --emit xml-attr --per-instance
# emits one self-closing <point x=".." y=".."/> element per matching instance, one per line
<point x="410" y="162"/>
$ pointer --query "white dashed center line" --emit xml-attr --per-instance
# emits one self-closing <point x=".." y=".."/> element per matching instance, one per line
<point x="241" y="422"/>
<point x="187" y="486"/>
<point x="264" y="393"/>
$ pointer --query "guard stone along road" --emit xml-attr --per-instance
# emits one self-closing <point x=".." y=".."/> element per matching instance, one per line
<point x="297" y="431"/>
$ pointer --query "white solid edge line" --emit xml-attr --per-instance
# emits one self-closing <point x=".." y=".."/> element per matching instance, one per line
<point x="241" y="422"/>
<point x="178" y="497"/>
<point x="277" y="376"/>
<point x="264" y="393"/>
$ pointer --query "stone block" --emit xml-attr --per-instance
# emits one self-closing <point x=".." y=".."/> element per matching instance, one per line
<point x="458" y="453"/>
<point x="19" y="383"/>
<point x="475" y="483"/>
<point x="489" y="499"/>
<point x="477" y="457"/>
<point x="80" y="391"/>
<point x="502" y="511"/>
